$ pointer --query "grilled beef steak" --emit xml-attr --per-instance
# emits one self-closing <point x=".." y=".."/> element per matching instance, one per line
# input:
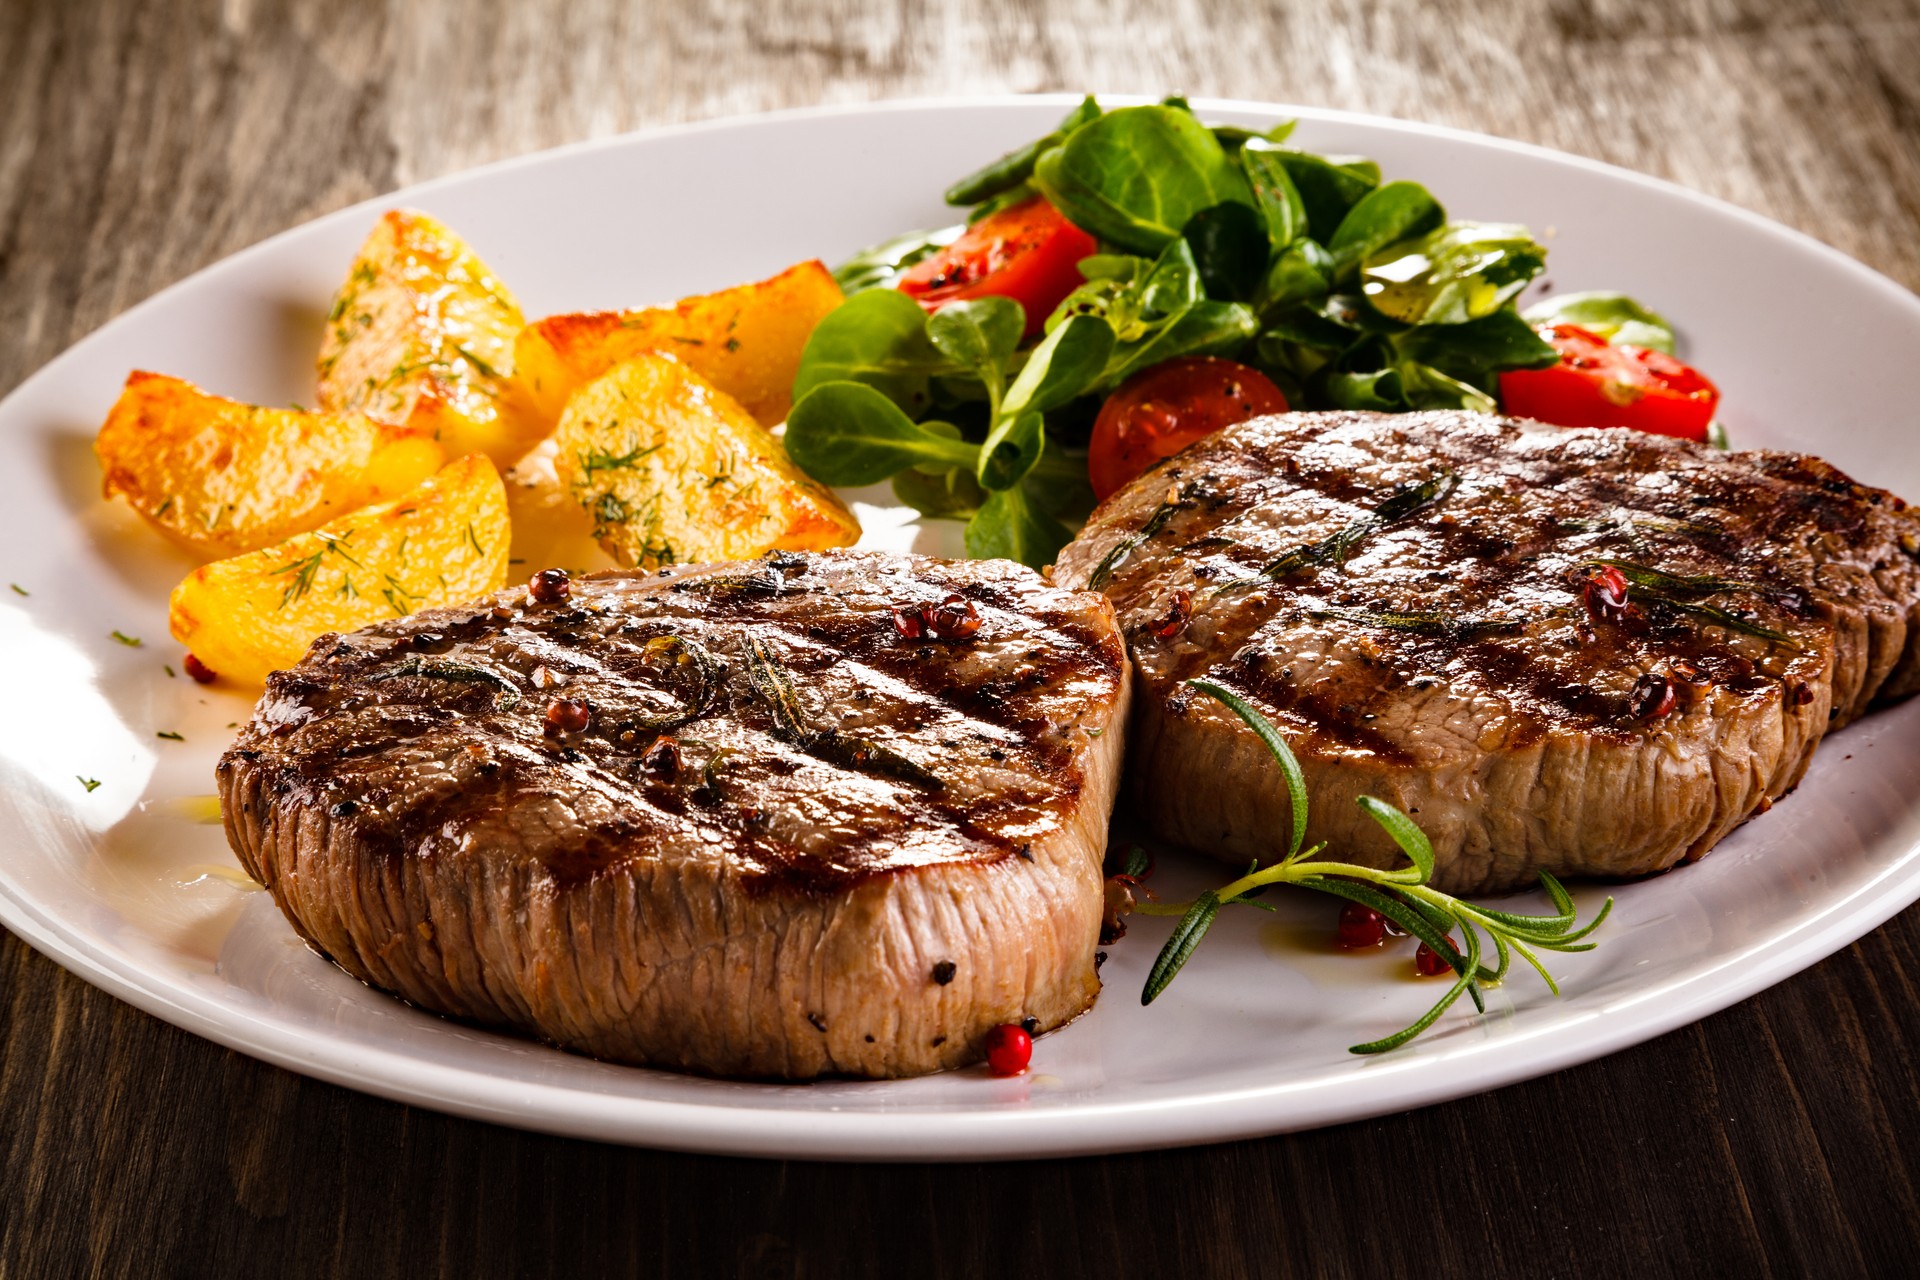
<point x="1589" y="652"/>
<point x="833" y="814"/>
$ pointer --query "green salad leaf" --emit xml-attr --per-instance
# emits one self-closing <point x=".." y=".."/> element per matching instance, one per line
<point x="1213" y="240"/>
<point x="882" y="265"/>
<point x="1135" y="177"/>
<point x="1230" y="248"/>
<point x="1384" y="216"/>
<point x="1328" y="185"/>
<point x="1010" y="525"/>
<point x="1463" y="271"/>
<point x="1614" y="316"/>
<point x="1012" y="170"/>
<point x="878" y="338"/>
<point x="847" y="433"/>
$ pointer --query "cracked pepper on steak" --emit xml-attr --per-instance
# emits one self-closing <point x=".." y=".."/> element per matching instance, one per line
<point x="1588" y="652"/>
<point x="780" y="819"/>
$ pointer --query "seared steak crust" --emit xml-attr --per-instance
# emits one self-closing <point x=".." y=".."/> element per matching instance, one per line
<point x="789" y="840"/>
<point x="1407" y="597"/>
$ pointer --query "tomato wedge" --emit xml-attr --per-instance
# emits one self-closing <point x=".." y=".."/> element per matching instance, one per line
<point x="1161" y="410"/>
<point x="1597" y="384"/>
<point x="1028" y="252"/>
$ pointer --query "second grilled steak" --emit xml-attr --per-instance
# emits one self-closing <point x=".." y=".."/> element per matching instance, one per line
<point x="1431" y="607"/>
<point x="813" y="815"/>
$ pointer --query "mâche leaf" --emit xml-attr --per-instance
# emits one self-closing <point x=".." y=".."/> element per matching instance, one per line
<point x="1135" y="177"/>
<point x="880" y="266"/>
<point x="977" y="333"/>
<point x="847" y="433"/>
<point x="878" y="337"/>
<point x="948" y="494"/>
<point x="1013" y="169"/>
<point x="1328" y="186"/>
<point x="1501" y="340"/>
<point x="1384" y="216"/>
<point x="1614" y="316"/>
<point x="1064" y="365"/>
<point x="1230" y="248"/>
<point x="1282" y="212"/>
<point x="1461" y="272"/>
<point x="1010" y="525"/>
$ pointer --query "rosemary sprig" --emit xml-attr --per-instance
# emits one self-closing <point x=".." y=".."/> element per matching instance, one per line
<point x="1402" y="503"/>
<point x="1402" y="896"/>
<point x="1683" y="595"/>
<point x="1641" y="575"/>
<point x="506" y="695"/>
<point x="771" y="684"/>
<point x="688" y="671"/>
<point x="1176" y="500"/>
<point x="1436" y="626"/>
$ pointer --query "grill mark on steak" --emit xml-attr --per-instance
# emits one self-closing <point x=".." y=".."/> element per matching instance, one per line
<point x="1453" y="654"/>
<point x="784" y="856"/>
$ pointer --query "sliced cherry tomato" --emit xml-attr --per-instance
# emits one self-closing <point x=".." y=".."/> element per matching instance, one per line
<point x="1161" y="410"/>
<point x="1597" y="384"/>
<point x="1028" y="252"/>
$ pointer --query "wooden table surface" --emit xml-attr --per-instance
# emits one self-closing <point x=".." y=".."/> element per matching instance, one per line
<point x="140" y="141"/>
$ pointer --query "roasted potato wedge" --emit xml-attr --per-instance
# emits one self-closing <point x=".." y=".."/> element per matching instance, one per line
<point x="442" y="542"/>
<point x="673" y="470"/>
<point x="745" y="340"/>
<point x="422" y="333"/>
<point x="223" y="478"/>
<point x="550" y="530"/>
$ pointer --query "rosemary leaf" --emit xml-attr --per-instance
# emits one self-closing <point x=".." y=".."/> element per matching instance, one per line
<point x="506" y="695"/>
<point x="775" y="689"/>
<point x="1643" y="576"/>
<point x="1405" y="832"/>
<point x="1282" y="755"/>
<point x="1118" y="553"/>
<point x="1186" y="936"/>
<point x="1401" y="503"/>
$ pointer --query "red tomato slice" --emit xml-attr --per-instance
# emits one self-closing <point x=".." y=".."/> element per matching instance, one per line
<point x="1597" y="384"/>
<point x="1161" y="410"/>
<point x="1028" y="252"/>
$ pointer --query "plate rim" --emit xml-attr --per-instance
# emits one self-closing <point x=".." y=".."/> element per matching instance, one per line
<point x="990" y="1132"/>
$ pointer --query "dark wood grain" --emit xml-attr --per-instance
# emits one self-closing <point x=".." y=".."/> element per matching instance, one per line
<point x="140" y="141"/>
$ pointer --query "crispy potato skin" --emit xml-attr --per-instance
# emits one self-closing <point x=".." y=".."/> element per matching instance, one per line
<point x="222" y="478"/>
<point x="442" y="542"/>
<point x="746" y="341"/>
<point x="422" y="333"/>
<point x="674" y="470"/>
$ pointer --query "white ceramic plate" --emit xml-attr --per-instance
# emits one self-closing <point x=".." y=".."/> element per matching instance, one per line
<point x="122" y="886"/>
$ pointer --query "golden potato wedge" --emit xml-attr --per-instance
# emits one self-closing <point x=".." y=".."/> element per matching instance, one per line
<point x="442" y="542"/>
<point x="222" y="478"/>
<point x="550" y="530"/>
<point x="745" y="340"/>
<point x="673" y="470"/>
<point x="422" y="333"/>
